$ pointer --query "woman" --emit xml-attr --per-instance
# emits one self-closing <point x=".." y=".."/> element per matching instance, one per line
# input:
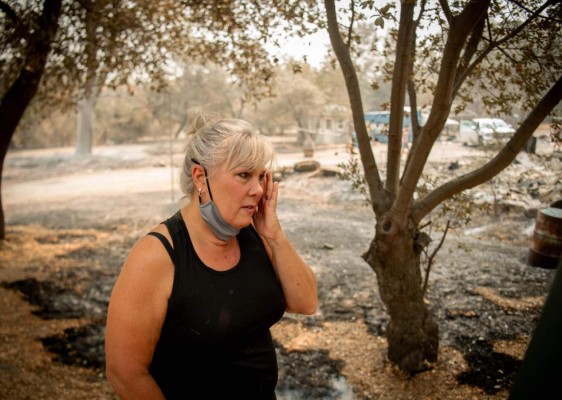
<point x="190" y="312"/>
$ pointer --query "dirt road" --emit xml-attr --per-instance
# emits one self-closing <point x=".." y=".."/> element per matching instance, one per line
<point x="63" y="176"/>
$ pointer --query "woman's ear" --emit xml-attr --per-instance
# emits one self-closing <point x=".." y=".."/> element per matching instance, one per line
<point x="198" y="175"/>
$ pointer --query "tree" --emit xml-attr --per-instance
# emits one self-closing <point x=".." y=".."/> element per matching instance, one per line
<point x="88" y="94"/>
<point x="522" y="41"/>
<point x="297" y="101"/>
<point x="369" y="60"/>
<point x="196" y="86"/>
<point x="48" y="38"/>
<point x="40" y="32"/>
<point x="299" y="97"/>
<point x="84" y="45"/>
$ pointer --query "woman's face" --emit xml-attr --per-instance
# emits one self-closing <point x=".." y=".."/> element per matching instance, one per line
<point x="237" y="193"/>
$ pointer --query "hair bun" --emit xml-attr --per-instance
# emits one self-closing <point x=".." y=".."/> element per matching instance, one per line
<point x="198" y="118"/>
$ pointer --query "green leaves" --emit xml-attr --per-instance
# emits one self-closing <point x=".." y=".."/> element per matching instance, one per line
<point x="352" y="171"/>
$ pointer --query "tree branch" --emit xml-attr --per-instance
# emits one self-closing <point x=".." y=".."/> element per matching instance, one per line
<point x="352" y="21"/>
<point x="446" y="11"/>
<point x="471" y="47"/>
<point x="411" y="89"/>
<point x="16" y="22"/>
<point x="414" y="121"/>
<point x="496" y="43"/>
<point x="9" y="11"/>
<point x="460" y="29"/>
<point x="523" y="7"/>
<point x="402" y="68"/>
<point x="372" y="176"/>
<point x="432" y="256"/>
<point x="18" y="96"/>
<point x="499" y="162"/>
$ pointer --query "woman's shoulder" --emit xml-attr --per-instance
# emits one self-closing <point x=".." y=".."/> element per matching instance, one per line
<point x="147" y="273"/>
<point x="149" y="254"/>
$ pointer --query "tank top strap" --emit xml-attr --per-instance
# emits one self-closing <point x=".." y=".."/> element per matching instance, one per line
<point x="164" y="242"/>
<point x="174" y="223"/>
<point x="180" y="238"/>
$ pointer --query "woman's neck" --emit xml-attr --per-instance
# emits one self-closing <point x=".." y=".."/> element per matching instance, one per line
<point x="199" y="231"/>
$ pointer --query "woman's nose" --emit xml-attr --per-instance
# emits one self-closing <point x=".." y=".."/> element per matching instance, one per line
<point x="257" y="187"/>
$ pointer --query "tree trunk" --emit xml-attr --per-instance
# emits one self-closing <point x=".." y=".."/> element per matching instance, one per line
<point x="23" y="89"/>
<point x="85" y="125"/>
<point x="4" y="144"/>
<point x="412" y="333"/>
<point x="89" y="94"/>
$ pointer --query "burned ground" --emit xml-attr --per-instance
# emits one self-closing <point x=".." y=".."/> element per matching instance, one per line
<point x="62" y="256"/>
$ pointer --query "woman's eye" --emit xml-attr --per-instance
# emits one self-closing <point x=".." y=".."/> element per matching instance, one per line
<point x="261" y="177"/>
<point x="243" y="175"/>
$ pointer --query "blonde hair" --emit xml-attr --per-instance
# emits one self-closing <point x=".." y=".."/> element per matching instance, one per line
<point x="230" y="143"/>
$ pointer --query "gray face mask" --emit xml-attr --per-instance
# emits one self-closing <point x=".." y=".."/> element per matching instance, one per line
<point x="212" y="216"/>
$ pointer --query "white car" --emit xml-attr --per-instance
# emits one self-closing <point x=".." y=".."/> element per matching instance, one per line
<point x="468" y="132"/>
<point x="484" y="130"/>
<point x="490" y="128"/>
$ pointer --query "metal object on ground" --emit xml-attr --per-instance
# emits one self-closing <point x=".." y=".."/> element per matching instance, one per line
<point x="546" y="247"/>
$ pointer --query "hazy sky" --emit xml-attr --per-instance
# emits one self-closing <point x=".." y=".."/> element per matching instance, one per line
<point x="313" y="46"/>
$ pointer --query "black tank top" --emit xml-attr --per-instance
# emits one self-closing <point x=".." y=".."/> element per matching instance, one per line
<point x="215" y="342"/>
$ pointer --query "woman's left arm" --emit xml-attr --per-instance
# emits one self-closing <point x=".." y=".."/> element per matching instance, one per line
<point x="296" y="277"/>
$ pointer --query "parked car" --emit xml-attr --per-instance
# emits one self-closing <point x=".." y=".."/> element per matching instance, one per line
<point x="468" y="132"/>
<point x="494" y="126"/>
<point x="484" y="130"/>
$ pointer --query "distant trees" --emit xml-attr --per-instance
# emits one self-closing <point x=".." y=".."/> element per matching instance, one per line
<point x="75" y="48"/>
<point x="145" y="111"/>
<point x="298" y="96"/>
<point x="508" y="50"/>
<point x="195" y="85"/>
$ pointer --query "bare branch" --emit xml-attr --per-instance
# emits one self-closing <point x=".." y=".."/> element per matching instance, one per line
<point x="420" y="16"/>
<point x="472" y="46"/>
<point x="414" y="121"/>
<point x="458" y="34"/>
<point x="402" y="69"/>
<point x="446" y="11"/>
<point x="432" y="256"/>
<point x="523" y="7"/>
<point x="9" y="11"/>
<point x="412" y="96"/>
<point x="372" y="175"/>
<point x="501" y="161"/>
<point x="497" y="43"/>
<point x="350" y="29"/>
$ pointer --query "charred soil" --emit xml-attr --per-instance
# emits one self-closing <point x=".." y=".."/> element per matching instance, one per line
<point x="64" y="250"/>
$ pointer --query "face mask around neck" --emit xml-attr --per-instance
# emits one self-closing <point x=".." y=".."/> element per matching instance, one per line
<point x="212" y="216"/>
